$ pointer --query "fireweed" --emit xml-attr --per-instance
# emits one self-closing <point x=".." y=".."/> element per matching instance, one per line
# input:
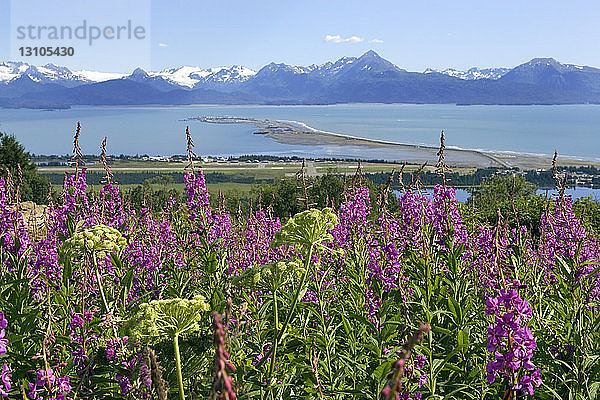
<point x="316" y="307"/>
<point x="222" y="388"/>
<point x="511" y="343"/>
<point x="402" y="373"/>
<point x="5" y="384"/>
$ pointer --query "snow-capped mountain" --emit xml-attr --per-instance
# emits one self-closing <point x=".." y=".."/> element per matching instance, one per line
<point x="281" y="68"/>
<point x="472" y="73"/>
<point x="231" y="75"/>
<point x="222" y="78"/>
<point x="368" y="62"/>
<point x="52" y="73"/>
<point x="191" y="77"/>
<point x="553" y="75"/>
<point x="368" y="78"/>
<point x="185" y="76"/>
<point x="551" y="63"/>
<point x="332" y="68"/>
<point x="540" y="68"/>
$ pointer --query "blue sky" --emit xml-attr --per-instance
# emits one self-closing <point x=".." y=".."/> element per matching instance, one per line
<point x="412" y="34"/>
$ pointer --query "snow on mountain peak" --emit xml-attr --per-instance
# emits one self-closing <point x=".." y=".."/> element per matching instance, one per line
<point x="228" y="78"/>
<point x="190" y="76"/>
<point x="50" y="73"/>
<point x="233" y="74"/>
<point x="552" y="63"/>
<point x="472" y="73"/>
<point x="95" y="76"/>
<point x="184" y="76"/>
<point x="10" y="70"/>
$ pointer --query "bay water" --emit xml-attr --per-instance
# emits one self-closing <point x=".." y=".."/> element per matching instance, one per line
<point x="573" y="130"/>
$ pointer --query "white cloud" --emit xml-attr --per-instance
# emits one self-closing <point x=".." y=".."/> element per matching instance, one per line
<point x="376" y="41"/>
<point x="339" y="39"/>
<point x="163" y="45"/>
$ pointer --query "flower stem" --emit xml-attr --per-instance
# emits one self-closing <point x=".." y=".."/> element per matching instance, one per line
<point x="288" y="318"/>
<point x="275" y="343"/>
<point x="99" y="281"/>
<point x="178" y="365"/>
<point x="276" y="312"/>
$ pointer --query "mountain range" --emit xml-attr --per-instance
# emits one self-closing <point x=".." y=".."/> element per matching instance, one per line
<point x="368" y="78"/>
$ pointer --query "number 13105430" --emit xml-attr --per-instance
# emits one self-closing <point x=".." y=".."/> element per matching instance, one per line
<point x="46" y="51"/>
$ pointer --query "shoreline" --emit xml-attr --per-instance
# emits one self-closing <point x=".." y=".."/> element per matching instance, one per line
<point x="61" y="107"/>
<point x="299" y="133"/>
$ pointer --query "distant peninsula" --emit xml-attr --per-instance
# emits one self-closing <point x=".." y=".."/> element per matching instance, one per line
<point x="298" y="133"/>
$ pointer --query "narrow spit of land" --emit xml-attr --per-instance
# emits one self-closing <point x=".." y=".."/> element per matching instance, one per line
<point x="295" y="133"/>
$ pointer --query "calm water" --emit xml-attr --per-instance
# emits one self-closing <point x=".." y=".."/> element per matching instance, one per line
<point x="573" y="130"/>
<point x="575" y="193"/>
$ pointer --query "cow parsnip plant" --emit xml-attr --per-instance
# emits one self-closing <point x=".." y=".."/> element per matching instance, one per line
<point x="168" y="319"/>
<point x="99" y="239"/>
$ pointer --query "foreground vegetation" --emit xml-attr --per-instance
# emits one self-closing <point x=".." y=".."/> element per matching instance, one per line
<point x="367" y="297"/>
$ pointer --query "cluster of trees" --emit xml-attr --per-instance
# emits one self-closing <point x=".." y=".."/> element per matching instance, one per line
<point x="512" y="198"/>
<point x="516" y="201"/>
<point x="16" y="164"/>
<point x="431" y="178"/>
<point x="142" y="177"/>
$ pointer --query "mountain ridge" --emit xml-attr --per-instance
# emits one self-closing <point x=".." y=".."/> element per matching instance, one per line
<point x="367" y="78"/>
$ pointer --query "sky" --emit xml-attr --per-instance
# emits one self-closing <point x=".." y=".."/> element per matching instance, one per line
<point x="414" y="35"/>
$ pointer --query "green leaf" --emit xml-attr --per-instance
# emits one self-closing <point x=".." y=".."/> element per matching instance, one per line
<point x="455" y="309"/>
<point x="382" y="370"/>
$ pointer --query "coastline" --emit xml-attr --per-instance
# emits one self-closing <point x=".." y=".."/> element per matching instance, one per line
<point x="299" y="133"/>
<point x="566" y="134"/>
